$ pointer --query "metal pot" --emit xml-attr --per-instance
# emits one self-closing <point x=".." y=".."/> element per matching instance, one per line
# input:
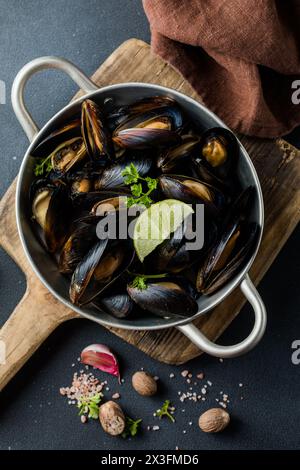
<point x="44" y="265"/>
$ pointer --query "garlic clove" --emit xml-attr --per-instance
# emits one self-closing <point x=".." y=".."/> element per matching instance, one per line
<point x="100" y="357"/>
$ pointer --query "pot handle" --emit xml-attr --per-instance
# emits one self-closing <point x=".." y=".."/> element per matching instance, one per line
<point x="42" y="63"/>
<point x="207" y="346"/>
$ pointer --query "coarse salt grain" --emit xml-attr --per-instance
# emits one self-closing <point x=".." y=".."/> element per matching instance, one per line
<point x="155" y="428"/>
<point x="115" y="396"/>
<point x="200" y="376"/>
<point x="84" y="386"/>
<point x="185" y="373"/>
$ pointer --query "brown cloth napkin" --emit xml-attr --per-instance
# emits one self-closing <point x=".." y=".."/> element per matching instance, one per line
<point x="241" y="56"/>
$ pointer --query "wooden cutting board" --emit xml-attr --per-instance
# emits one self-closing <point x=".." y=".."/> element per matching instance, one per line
<point x="39" y="313"/>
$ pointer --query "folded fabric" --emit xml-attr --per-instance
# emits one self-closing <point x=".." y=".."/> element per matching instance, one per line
<point x="241" y="56"/>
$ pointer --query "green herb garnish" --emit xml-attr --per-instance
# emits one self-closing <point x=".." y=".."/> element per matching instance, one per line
<point x="140" y="280"/>
<point x="43" y="166"/>
<point x="90" y="406"/>
<point x="165" y="411"/>
<point x="131" y="427"/>
<point x="133" y="179"/>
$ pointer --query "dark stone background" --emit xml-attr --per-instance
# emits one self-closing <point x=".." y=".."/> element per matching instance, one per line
<point x="32" y="413"/>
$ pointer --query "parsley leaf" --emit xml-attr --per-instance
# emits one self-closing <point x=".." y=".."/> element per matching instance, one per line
<point x="131" y="427"/>
<point x="165" y="411"/>
<point x="90" y="406"/>
<point x="136" y="189"/>
<point x="151" y="183"/>
<point x="131" y="177"/>
<point x="43" y="166"/>
<point x="130" y="174"/>
<point x="139" y="282"/>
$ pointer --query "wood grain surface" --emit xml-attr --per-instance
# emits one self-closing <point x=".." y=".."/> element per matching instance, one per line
<point x="39" y="313"/>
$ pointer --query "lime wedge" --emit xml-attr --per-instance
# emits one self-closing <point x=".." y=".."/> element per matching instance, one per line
<point x="156" y="224"/>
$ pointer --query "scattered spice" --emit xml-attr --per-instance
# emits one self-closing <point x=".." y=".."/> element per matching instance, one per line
<point x="85" y="393"/>
<point x="144" y="384"/>
<point x="200" y="376"/>
<point x="185" y="373"/>
<point x="116" y="396"/>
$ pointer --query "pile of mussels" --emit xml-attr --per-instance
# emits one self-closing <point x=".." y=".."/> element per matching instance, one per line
<point x="79" y="170"/>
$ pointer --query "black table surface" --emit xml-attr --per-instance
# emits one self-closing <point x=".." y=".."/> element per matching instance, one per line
<point x="265" y="410"/>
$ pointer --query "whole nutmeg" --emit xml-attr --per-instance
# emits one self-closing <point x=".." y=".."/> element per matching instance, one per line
<point x="214" y="420"/>
<point x="112" y="418"/>
<point x="144" y="383"/>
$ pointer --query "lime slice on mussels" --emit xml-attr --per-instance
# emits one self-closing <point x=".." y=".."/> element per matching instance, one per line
<point x="156" y="224"/>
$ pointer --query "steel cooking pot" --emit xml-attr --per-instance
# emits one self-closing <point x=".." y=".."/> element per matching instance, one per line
<point x="44" y="265"/>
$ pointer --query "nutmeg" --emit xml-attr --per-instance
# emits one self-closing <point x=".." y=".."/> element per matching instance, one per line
<point x="144" y="383"/>
<point x="214" y="420"/>
<point x="112" y="418"/>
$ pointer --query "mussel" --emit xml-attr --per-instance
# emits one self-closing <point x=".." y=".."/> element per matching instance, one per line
<point x="68" y="154"/>
<point x="101" y="266"/>
<point x="112" y="176"/>
<point x="51" y="208"/>
<point x="169" y="159"/>
<point x="227" y="256"/>
<point x="143" y="138"/>
<point x="119" y="115"/>
<point x="190" y="190"/>
<point x="96" y="135"/>
<point x="117" y="302"/>
<point x="219" y="150"/>
<point x="165" y="298"/>
<point x="167" y="117"/>
<point x="112" y="204"/>
<point x="78" y="244"/>
<point x="52" y="141"/>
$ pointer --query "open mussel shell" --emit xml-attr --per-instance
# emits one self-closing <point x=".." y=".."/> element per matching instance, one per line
<point x="95" y="133"/>
<point x="112" y="204"/>
<point x="190" y="190"/>
<point x="235" y="264"/>
<point x="226" y="256"/>
<point x="52" y="141"/>
<point x="68" y="154"/>
<point x="168" y="117"/>
<point x="171" y="158"/>
<point x="166" y="298"/>
<point x="144" y="138"/>
<point x="51" y="208"/>
<point x="112" y="176"/>
<point x="101" y="266"/>
<point x="84" y="202"/>
<point x="119" y="115"/>
<point x="219" y="149"/>
<point x="80" y="241"/>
